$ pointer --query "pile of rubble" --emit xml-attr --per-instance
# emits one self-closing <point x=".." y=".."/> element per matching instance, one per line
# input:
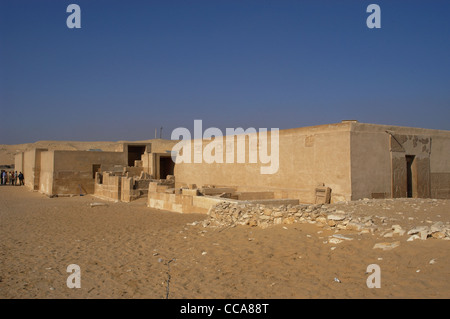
<point x="226" y="214"/>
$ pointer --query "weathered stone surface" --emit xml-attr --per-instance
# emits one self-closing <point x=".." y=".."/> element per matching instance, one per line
<point x="321" y="219"/>
<point x="398" y="230"/>
<point x="342" y="237"/>
<point x="388" y="235"/>
<point x="437" y="227"/>
<point x="336" y="217"/>
<point x="417" y="230"/>
<point x="386" y="246"/>
<point x="226" y="214"/>
<point x="289" y="220"/>
<point x="413" y="237"/>
<point x="438" y="235"/>
<point x="331" y="223"/>
<point x="335" y="241"/>
<point x="354" y="226"/>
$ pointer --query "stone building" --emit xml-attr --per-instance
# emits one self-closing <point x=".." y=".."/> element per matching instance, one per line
<point x="68" y="172"/>
<point x="355" y="160"/>
<point x="351" y="160"/>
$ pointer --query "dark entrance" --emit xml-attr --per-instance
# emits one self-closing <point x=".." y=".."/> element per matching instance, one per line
<point x="134" y="153"/>
<point x="166" y="166"/>
<point x="409" y="176"/>
<point x="95" y="169"/>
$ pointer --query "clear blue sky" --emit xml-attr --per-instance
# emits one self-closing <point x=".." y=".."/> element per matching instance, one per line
<point x="137" y="65"/>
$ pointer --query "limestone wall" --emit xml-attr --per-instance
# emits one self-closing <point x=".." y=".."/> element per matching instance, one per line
<point x="307" y="157"/>
<point x="132" y="189"/>
<point x="378" y="163"/>
<point x="73" y="170"/>
<point x="46" y="173"/>
<point x="31" y="167"/>
<point x="109" y="188"/>
<point x="370" y="164"/>
<point x="440" y="167"/>
<point x="18" y="162"/>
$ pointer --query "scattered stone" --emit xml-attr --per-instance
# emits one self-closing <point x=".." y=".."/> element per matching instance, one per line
<point x="96" y="204"/>
<point x="335" y="241"/>
<point x="413" y="237"/>
<point x="341" y="237"/>
<point x="354" y="226"/>
<point x="321" y="219"/>
<point x="398" y="230"/>
<point x="424" y="234"/>
<point x="331" y="223"/>
<point x="417" y="230"/>
<point x="336" y="217"/>
<point x="388" y="235"/>
<point x="230" y="214"/>
<point x="386" y="246"/>
<point x="438" y="235"/>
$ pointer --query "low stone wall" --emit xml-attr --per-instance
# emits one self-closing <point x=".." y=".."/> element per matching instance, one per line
<point x="226" y="214"/>
<point x="253" y="214"/>
<point x="118" y="186"/>
<point x="110" y="188"/>
<point x="163" y="195"/>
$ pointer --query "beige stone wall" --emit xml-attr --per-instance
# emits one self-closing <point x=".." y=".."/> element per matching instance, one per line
<point x="73" y="169"/>
<point x="378" y="161"/>
<point x="18" y="162"/>
<point x="32" y="168"/>
<point x="110" y="188"/>
<point x="28" y="168"/>
<point x="46" y="173"/>
<point x="128" y="194"/>
<point x="440" y="167"/>
<point x="370" y="164"/>
<point x="307" y="157"/>
<point x="147" y="163"/>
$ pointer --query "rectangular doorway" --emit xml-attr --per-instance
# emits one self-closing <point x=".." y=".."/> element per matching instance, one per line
<point x="95" y="169"/>
<point x="134" y="153"/>
<point x="166" y="166"/>
<point x="411" y="184"/>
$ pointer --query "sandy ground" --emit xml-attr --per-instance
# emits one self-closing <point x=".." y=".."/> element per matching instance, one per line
<point x="123" y="252"/>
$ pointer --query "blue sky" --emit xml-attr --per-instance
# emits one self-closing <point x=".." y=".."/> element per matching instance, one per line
<point x="138" y="65"/>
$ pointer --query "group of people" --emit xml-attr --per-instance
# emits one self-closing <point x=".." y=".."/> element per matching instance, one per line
<point x="12" y="178"/>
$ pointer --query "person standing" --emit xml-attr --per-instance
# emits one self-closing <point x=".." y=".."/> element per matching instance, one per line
<point x="15" y="178"/>
<point x="21" y="178"/>
<point x="3" y="178"/>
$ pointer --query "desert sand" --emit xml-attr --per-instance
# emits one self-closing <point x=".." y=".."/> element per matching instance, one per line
<point x="123" y="250"/>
